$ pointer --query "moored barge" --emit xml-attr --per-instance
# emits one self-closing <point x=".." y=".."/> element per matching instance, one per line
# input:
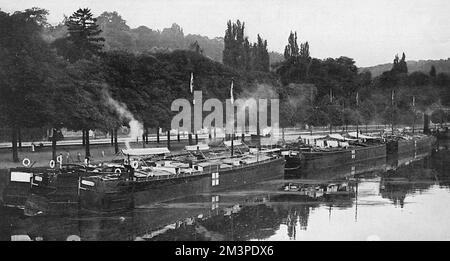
<point x="170" y="180"/>
<point x="334" y="151"/>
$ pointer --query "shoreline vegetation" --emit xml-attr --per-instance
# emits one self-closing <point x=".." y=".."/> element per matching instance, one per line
<point x="86" y="74"/>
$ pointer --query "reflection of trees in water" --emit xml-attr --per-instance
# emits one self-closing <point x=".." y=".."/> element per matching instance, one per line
<point x="296" y="213"/>
<point x="251" y="222"/>
<point x="259" y="221"/>
<point x="415" y="177"/>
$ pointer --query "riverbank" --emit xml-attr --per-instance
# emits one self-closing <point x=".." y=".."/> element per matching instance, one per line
<point x="101" y="149"/>
<point x="76" y="153"/>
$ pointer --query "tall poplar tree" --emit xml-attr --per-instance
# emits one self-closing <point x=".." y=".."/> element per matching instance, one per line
<point x="291" y="50"/>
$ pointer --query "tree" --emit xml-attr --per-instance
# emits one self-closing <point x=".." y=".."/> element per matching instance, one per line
<point x="233" y="53"/>
<point x="116" y="32"/>
<point x="403" y="68"/>
<point x="196" y="48"/>
<point x="240" y="53"/>
<point x="367" y="111"/>
<point x="304" y="50"/>
<point x="335" y="116"/>
<point x="317" y="117"/>
<point x="400" y="65"/>
<point x="84" y="101"/>
<point x="291" y="49"/>
<point x="432" y="71"/>
<point x="26" y="72"/>
<point x="260" y="55"/>
<point x="350" y="116"/>
<point x="83" y="40"/>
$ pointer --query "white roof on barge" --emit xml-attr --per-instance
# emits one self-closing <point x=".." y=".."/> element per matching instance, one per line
<point x="312" y="137"/>
<point x="361" y="136"/>
<point x="235" y="143"/>
<point x="146" y="151"/>
<point x="269" y="150"/>
<point x="337" y="136"/>
<point x="197" y="147"/>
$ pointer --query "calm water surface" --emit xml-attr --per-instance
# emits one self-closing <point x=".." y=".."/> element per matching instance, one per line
<point x="404" y="198"/>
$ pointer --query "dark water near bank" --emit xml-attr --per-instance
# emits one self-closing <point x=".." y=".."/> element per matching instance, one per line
<point x="404" y="198"/>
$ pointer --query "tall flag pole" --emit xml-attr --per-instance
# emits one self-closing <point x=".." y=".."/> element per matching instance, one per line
<point x="393" y="95"/>
<point x="191" y="85"/>
<point x="232" y="136"/>
<point x="231" y="93"/>
<point x="392" y="111"/>
<point x="331" y="102"/>
<point x="357" y="121"/>
<point x="414" y="112"/>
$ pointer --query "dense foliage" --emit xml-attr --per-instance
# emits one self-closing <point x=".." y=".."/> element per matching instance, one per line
<point x="76" y="74"/>
<point x="239" y="53"/>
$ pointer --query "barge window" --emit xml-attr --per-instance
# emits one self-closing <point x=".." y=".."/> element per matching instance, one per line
<point x="215" y="179"/>
<point x="215" y="202"/>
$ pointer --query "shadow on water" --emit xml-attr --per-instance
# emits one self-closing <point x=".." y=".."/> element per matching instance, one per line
<point x="277" y="209"/>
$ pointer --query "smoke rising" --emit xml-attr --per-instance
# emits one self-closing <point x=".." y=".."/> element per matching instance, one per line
<point x="136" y="128"/>
<point x="259" y="91"/>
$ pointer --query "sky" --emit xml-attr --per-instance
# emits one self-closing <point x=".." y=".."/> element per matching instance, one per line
<point x="369" y="31"/>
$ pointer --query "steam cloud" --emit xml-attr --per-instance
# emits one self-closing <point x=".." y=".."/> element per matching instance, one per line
<point x="260" y="91"/>
<point x="136" y="128"/>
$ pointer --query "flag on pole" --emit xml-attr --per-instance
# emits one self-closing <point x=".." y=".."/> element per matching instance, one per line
<point x="231" y="93"/>
<point x="393" y="94"/>
<point x="192" y="83"/>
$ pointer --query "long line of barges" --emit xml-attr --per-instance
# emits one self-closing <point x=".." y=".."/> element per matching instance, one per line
<point x="143" y="176"/>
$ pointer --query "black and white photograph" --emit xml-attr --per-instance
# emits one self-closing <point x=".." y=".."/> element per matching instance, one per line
<point x="238" y="121"/>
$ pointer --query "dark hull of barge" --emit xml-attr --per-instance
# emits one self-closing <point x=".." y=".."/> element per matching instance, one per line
<point x="317" y="162"/>
<point x="341" y="171"/>
<point x="59" y="196"/>
<point x="123" y="195"/>
<point x="16" y="191"/>
<point x="410" y="146"/>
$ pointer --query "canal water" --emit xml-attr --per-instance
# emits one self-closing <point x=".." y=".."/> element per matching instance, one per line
<point x="405" y="197"/>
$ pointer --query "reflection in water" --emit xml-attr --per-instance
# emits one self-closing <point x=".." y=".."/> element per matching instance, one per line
<point x="389" y="200"/>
